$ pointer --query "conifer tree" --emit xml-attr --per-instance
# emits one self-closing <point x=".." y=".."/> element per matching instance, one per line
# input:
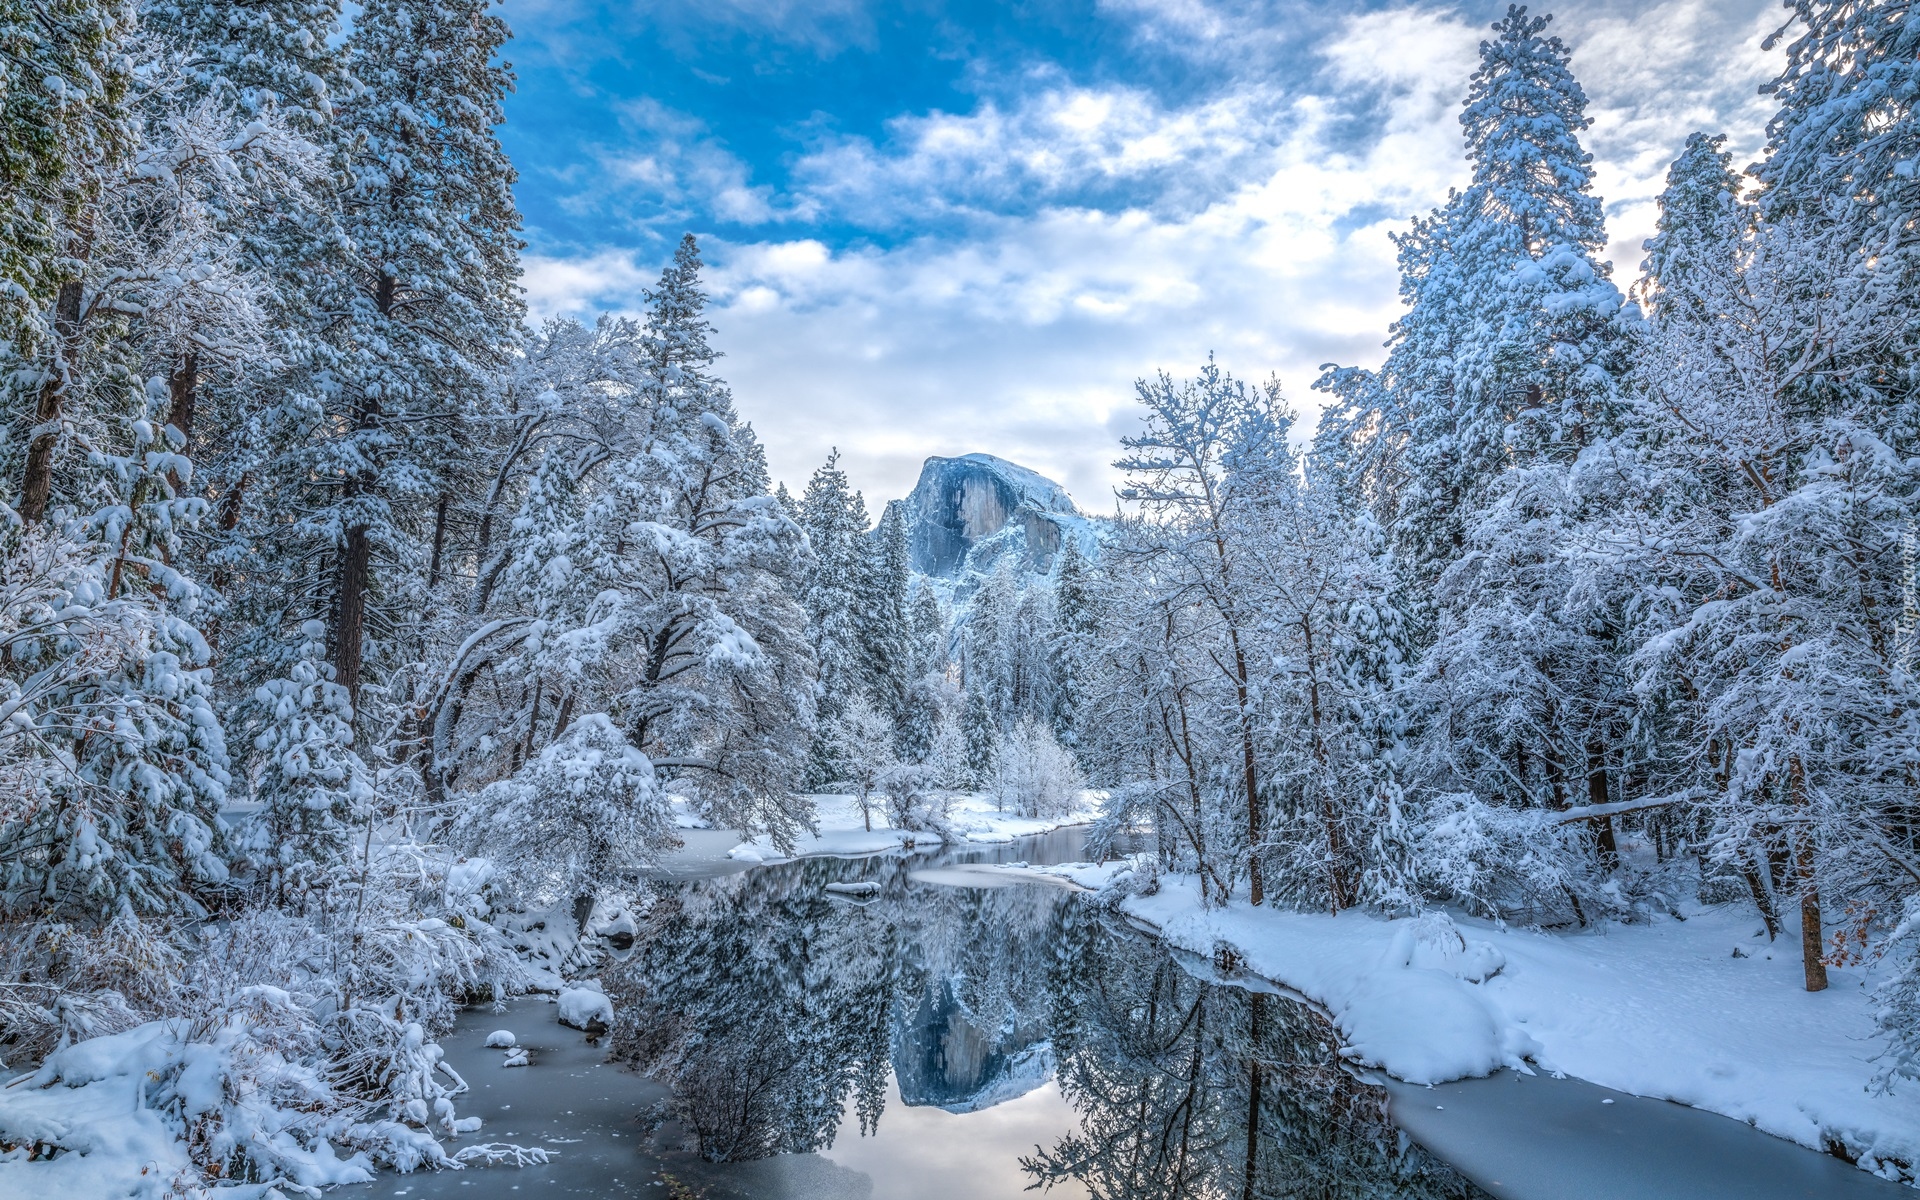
<point x="982" y="733"/>
<point x="433" y="305"/>
<point x="63" y="86"/>
<point x="1075" y="623"/>
<point x="1701" y="224"/>
<point x="835" y="519"/>
<point x="885" y="623"/>
<point x="312" y="785"/>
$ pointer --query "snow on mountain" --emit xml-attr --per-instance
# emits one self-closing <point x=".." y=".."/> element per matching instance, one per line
<point x="966" y="513"/>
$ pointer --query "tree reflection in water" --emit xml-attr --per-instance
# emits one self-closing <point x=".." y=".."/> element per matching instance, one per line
<point x="1192" y="1089"/>
<point x="775" y="1010"/>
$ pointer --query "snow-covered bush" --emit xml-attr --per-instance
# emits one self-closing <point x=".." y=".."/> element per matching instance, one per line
<point x="1035" y="775"/>
<point x="912" y="800"/>
<point x="1899" y="997"/>
<point x="589" y="807"/>
<point x="1512" y="864"/>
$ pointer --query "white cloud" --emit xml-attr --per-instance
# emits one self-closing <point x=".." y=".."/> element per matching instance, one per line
<point x="1252" y="224"/>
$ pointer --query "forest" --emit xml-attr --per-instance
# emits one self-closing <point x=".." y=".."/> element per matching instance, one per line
<point x="353" y="628"/>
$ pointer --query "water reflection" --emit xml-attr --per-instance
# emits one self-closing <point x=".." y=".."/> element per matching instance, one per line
<point x="1190" y="1089"/>
<point x="779" y="1012"/>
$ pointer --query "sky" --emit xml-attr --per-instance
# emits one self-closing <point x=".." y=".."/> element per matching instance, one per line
<point x="940" y="227"/>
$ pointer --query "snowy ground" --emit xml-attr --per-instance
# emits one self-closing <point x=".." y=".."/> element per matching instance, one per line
<point x="1666" y="1010"/>
<point x="973" y="817"/>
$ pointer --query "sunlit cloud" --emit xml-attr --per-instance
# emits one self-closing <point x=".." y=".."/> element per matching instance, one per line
<point x="993" y="274"/>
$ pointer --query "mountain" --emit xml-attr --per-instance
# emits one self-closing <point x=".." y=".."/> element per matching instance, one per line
<point x="943" y="1059"/>
<point x="966" y="513"/>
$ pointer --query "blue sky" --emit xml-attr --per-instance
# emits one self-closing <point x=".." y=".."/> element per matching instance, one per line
<point x="940" y="227"/>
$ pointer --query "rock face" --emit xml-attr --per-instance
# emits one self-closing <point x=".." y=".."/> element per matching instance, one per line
<point x="967" y="512"/>
<point x="942" y="1059"/>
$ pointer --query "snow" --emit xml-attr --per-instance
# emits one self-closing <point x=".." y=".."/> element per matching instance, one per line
<point x="580" y="1007"/>
<point x="1664" y="1010"/>
<point x="501" y="1039"/>
<point x="971" y="816"/>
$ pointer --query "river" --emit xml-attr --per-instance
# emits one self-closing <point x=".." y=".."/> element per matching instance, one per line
<point x="933" y="1041"/>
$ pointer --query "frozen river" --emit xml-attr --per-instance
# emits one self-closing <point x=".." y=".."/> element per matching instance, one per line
<point x="936" y="1041"/>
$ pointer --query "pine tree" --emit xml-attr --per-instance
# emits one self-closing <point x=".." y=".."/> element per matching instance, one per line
<point x="834" y="517"/>
<point x="312" y="785"/>
<point x="1701" y="225"/>
<point x="982" y="732"/>
<point x="433" y="305"/>
<point x="64" y="76"/>
<point x="1075" y="623"/>
<point x="884" y="621"/>
<point x="129" y="765"/>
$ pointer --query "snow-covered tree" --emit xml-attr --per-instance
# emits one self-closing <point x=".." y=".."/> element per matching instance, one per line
<point x="981" y="732"/>
<point x="863" y="746"/>
<point x="835" y="519"/>
<point x="313" y="788"/>
<point x="884" y="619"/>
<point x="431" y="309"/>
<point x="589" y="807"/>
<point x="1035" y="775"/>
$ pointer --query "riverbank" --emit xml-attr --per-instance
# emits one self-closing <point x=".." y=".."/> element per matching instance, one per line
<point x="971" y="817"/>
<point x="1702" y="1011"/>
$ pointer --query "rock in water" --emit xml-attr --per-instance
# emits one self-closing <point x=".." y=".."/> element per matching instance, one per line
<point x="586" y="1009"/>
<point x="501" y="1039"/>
<point x="865" y="887"/>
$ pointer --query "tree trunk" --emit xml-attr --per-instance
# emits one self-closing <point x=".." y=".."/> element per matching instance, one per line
<point x="1812" y="936"/>
<point x="36" y="485"/>
<point x="439" y="543"/>
<point x="1256" y="891"/>
<point x="1762" y="897"/>
<point x="1597" y="793"/>
<point x="350" y="614"/>
<point x="183" y="386"/>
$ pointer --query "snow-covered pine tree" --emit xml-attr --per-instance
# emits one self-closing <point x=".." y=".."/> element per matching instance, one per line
<point x="1074" y="624"/>
<point x="1702" y="223"/>
<point x="884" y="620"/>
<point x="981" y="731"/>
<point x="64" y="74"/>
<point x="835" y="519"/>
<point x="128" y="765"/>
<point x="312" y="786"/>
<point x="433" y="311"/>
<point x="281" y="64"/>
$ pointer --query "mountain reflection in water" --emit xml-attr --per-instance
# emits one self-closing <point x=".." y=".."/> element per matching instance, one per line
<point x="776" y="1012"/>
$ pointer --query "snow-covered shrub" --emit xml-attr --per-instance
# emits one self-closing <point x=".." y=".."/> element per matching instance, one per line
<point x="912" y="800"/>
<point x="1899" y="997"/>
<point x="589" y="807"/>
<point x="1513" y="864"/>
<point x="1036" y="776"/>
<point x="62" y="983"/>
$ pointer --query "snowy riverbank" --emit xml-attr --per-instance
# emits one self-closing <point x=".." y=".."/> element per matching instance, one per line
<point x="1701" y="1011"/>
<point x="971" y="816"/>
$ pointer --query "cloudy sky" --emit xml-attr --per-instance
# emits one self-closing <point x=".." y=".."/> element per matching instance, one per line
<point x="935" y="227"/>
